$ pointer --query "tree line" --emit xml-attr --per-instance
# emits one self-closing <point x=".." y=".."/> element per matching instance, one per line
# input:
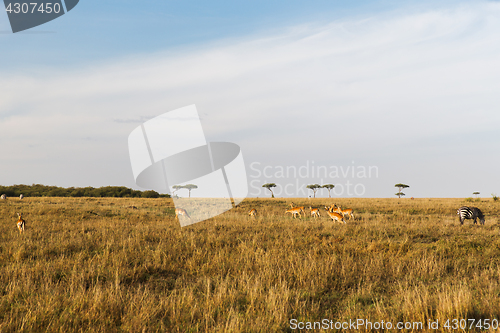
<point x="38" y="190"/>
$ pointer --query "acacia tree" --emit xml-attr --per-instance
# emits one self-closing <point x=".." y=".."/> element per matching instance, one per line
<point x="329" y="187"/>
<point x="476" y="194"/>
<point x="400" y="188"/>
<point x="269" y="186"/>
<point x="314" y="188"/>
<point x="190" y="187"/>
<point x="176" y="188"/>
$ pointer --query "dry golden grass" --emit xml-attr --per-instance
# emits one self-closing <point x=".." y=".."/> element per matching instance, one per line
<point x="101" y="265"/>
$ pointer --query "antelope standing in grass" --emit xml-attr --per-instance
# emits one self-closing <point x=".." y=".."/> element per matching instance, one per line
<point x="314" y="212"/>
<point x="180" y="211"/>
<point x="301" y="208"/>
<point x="252" y="212"/>
<point x="20" y="223"/>
<point x="294" y="212"/>
<point x="345" y="212"/>
<point x="335" y="216"/>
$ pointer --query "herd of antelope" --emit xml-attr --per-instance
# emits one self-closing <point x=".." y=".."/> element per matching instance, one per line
<point x="336" y="213"/>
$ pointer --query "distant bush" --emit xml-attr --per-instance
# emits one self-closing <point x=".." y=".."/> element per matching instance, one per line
<point x="150" y="194"/>
<point x="38" y="190"/>
<point x="495" y="198"/>
<point x="469" y="199"/>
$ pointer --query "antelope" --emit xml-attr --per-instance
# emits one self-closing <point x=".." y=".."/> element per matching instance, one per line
<point x="21" y="197"/>
<point x="335" y="216"/>
<point x="301" y="208"/>
<point x="180" y="211"/>
<point x="331" y="209"/>
<point x="252" y="213"/>
<point x="3" y="197"/>
<point x="314" y="212"/>
<point x="20" y="223"/>
<point x="345" y="212"/>
<point x="294" y="212"/>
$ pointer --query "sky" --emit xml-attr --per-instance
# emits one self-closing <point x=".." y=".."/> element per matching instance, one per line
<point x="362" y="95"/>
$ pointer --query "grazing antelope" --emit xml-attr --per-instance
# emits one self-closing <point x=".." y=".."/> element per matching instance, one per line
<point x="20" y="223"/>
<point x="252" y="213"/>
<point x="21" y="197"/>
<point x="335" y="216"/>
<point x="344" y="212"/>
<point x="3" y="197"/>
<point x="180" y="211"/>
<point x="301" y="208"/>
<point x="314" y="212"/>
<point x="294" y="212"/>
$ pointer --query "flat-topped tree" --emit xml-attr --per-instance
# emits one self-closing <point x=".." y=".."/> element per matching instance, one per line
<point x="176" y="188"/>
<point x="329" y="187"/>
<point x="190" y="187"/>
<point x="476" y="194"/>
<point x="314" y="188"/>
<point x="269" y="186"/>
<point x="400" y="188"/>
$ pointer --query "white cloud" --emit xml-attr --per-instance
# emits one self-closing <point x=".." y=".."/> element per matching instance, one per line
<point x="363" y="89"/>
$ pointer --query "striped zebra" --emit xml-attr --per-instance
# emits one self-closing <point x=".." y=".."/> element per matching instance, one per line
<point x="470" y="213"/>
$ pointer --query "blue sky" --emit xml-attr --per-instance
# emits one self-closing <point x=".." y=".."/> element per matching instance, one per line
<point x="110" y="30"/>
<point x="407" y="87"/>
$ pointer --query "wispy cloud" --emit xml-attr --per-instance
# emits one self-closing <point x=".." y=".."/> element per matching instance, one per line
<point x="352" y="89"/>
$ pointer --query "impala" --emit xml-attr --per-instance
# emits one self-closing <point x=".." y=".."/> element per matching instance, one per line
<point x="301" y="208"/>
<point x="20" y="223"/>
<point x="314" y="212"/>
<point x="180" y="211"/>
<point x="331" y="209"/>
<point x="345" y="212"/>
<point x="253" y="212"/>
<point x="294" y="212"/>
<point x="335" y="216"/>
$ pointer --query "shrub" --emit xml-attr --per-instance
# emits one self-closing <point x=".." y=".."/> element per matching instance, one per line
<point x="150" y="194"/>
<point x="495" y="198"/>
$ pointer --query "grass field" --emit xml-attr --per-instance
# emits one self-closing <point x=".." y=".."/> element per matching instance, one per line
<point x="101" y="265"/>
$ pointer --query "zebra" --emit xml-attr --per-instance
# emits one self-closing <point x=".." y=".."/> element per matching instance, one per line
<point x="21" y="197"/>
<point x="471" y="213"/>
<point x="3" y="197"/>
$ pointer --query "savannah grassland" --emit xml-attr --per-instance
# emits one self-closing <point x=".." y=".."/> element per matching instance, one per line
<point x="100" y="265"/>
